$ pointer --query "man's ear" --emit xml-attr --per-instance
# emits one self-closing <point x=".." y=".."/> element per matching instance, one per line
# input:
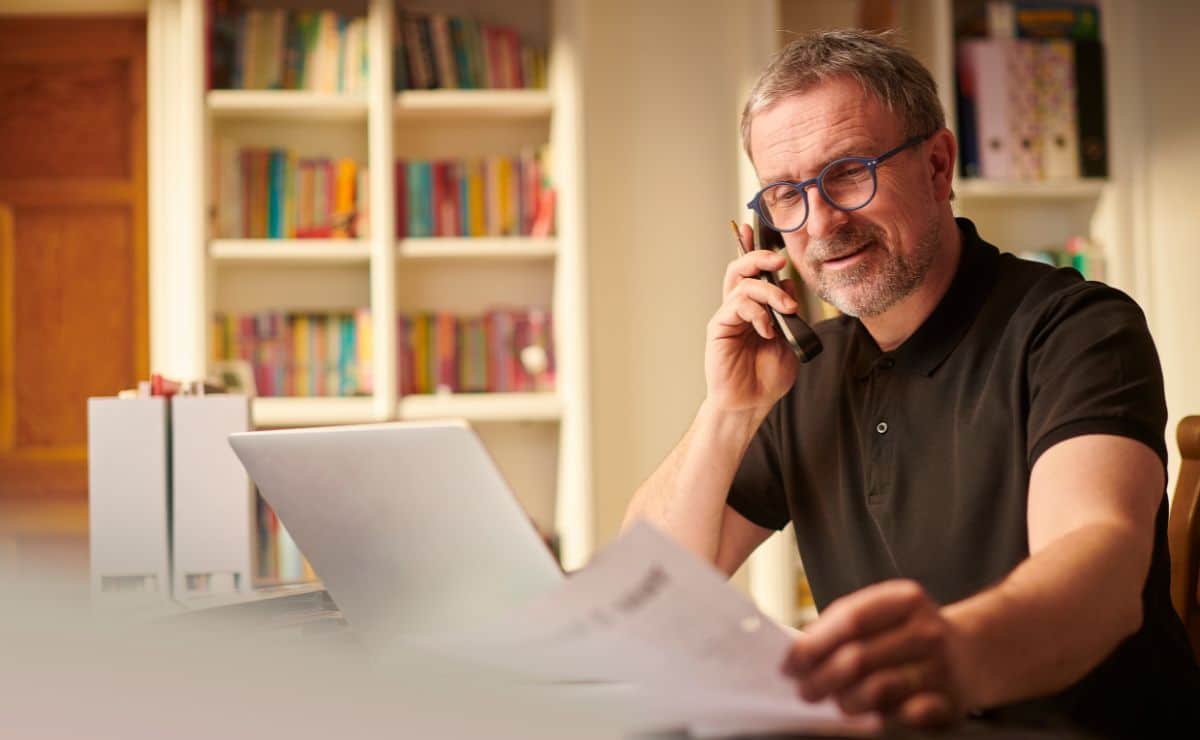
<point x="943" y="153"/>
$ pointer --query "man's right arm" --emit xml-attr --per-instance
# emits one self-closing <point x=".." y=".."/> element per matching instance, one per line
<point x="747" y="369"/>
<point x="685" y="497"/>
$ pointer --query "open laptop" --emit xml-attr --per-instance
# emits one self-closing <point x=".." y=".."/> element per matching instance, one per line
<point x="409" y="525"/>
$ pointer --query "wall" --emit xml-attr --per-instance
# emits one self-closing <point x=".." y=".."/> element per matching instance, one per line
<point x="1171" y="160"/>
<point x="661" y="102"/>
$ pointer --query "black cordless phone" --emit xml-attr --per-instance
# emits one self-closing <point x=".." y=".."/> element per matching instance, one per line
<point x="799" y="335"/>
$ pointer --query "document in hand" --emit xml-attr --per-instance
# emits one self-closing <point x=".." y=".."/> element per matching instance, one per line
<point x="690" y="648"/>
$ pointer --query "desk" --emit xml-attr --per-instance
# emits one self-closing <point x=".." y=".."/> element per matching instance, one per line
<point x="309" y="613"/>
<point x="970" y="730"/>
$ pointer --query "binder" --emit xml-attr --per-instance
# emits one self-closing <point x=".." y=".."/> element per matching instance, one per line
<point x="1021" y="68"/>
<point x="129" y="499"/>
<point x="983" y="63"/>
<point x="1001" y="73"/>
<point x="213" y="502"/>
<point x="1056" y="108"/>
<point x="968" y="144"/>
<point x="1090" y="108"/>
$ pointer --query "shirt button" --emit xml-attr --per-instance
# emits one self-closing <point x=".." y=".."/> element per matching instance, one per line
<point x="887" y="363"/>
<point x="881" y="427"/>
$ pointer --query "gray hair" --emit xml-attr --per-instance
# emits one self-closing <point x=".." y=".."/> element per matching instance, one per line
<point x="890" y="73"/>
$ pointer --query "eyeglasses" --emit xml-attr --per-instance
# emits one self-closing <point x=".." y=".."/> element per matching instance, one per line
<point x="847" y="184"/>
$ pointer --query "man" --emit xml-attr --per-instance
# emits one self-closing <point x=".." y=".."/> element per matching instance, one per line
<point x="975" y="464"/>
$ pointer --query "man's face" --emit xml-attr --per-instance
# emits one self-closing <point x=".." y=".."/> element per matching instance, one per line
<point x="865" y="261"/>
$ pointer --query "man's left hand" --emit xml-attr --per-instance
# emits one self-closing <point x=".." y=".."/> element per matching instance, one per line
<point x="885" y="648"/>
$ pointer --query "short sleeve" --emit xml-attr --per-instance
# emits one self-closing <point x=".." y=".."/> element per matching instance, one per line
<point x="1093" y="369"/>
<point x="757" y="489"/>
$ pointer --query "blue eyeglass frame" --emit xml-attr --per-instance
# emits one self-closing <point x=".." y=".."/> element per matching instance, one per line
<point x="871" y="163"/>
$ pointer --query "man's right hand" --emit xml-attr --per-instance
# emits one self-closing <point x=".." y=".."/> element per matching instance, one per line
<point x="747" y="365"/>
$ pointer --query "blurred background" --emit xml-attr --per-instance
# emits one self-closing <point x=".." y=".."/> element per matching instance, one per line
<point x="536" y="196"/>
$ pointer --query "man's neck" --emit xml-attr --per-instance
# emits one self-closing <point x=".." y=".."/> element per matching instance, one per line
<point x="891" y="328"/>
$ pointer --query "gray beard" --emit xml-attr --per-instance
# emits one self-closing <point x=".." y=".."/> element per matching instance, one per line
<point x="870" y="288"/>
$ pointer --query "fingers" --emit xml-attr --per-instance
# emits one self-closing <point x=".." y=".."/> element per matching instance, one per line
<point x="853" y="618"/>
<point x="750" y="265"/>
<point x="859" y="662"/>
<point x="747" y="304"/>
<point x="737" y="312"/>
<point x="929" y="709"/>
<point x="764" y="293"/>
<point x="887" y="689"/>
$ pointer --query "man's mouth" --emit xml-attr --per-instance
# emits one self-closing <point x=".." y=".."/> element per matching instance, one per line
<point x="847" y="257"/>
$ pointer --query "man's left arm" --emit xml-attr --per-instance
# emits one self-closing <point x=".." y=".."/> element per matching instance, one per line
<point x="889" y="647"/>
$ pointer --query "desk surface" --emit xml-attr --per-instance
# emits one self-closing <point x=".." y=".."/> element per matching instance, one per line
<point x="310" y="611"/>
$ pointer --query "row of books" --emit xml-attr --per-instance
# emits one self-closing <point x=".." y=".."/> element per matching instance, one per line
<point x="276" y="194"/>
<point x="276" y="49"/>
<point x="299" y="354"/>
<point x="487" y="196"/>
<point x="311" y="355"/>
<point x="1032" y="109"/>
<point x="1031" y="91"/>
<point x="278" y="559"/>
<point x="434" y="50"/>
<point x="1039" y="19"/>
<point x="504" y="350"/>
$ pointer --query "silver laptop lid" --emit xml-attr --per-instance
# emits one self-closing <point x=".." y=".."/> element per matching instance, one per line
<point x="409" y="525"/>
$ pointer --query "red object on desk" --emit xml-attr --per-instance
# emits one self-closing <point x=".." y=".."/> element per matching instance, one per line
<point x="160" y="386"/>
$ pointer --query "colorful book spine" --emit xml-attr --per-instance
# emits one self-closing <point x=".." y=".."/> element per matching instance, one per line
<point x="275" y="194"/>
<point x="365" y="354"/>
<point x="434" y="50"/>
<point x="268" y="49"/>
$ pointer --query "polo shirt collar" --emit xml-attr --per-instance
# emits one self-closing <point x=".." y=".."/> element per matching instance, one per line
<point x="934" y="340"/>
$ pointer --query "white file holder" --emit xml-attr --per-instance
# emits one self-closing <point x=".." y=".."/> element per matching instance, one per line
<point x="129" y="499"/>
<point x="213" y="501"/>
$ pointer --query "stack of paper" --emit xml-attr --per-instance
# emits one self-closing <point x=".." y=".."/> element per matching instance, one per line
<point x="690" y="649"/>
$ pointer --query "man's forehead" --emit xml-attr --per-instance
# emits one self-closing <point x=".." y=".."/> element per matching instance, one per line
<point x="801" y="132"/>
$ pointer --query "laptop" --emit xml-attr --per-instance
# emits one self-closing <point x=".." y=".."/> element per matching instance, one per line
<point x="410" y="525"/>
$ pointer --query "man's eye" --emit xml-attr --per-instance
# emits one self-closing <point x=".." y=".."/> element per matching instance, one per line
<point x="848" y="173"/>
<point x="782" y="195"/>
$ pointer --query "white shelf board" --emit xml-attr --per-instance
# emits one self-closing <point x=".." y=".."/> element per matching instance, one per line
<point x="979" y="189"/>
<point x="474" y="103"/>
<point x="298" y="412"/>
<point x="478" y="247"/>
<point x="291" y="251"/>
<point x="542" y="406"/>
<point x="286" y="104"/>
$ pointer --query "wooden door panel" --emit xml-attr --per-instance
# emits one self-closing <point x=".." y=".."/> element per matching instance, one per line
<point x="72" y="121"/>
<point x="72" y="303"/>
<point x="73" y="293"/>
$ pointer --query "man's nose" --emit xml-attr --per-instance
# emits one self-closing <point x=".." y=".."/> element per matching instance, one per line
<point x="823" y="219"/>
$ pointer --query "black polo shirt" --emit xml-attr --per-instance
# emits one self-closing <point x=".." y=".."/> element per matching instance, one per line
<point x="915" y="463"/>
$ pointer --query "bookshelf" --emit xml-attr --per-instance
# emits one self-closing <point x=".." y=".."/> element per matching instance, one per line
<point x="466" y="104"/>
<point x="299" y="105"/>
<point x="540" y="438"/>
<point x="1014" y="215"/>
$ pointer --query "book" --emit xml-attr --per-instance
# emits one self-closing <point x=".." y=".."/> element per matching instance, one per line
<point x="1056" y="109"/>
<point x="1091" y="110"/>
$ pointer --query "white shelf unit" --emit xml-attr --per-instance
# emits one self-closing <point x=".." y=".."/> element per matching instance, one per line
<point x="291" y="251"/>
<point x="269" y="104"/>
<point x="540" y="440"/>
<point x="481" y="248"/>
<point x="474" y="104"/>
<point x="1044" y="190"/>
<point x="1012" y="215"/>
<point x="511" y="407"/>
<point x="299" y="412"/>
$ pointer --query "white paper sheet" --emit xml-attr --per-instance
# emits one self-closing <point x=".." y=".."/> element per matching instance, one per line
<point x="694" y="651"/>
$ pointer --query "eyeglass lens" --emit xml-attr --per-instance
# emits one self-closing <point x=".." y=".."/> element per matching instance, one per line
<point x="847" y="184"/>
